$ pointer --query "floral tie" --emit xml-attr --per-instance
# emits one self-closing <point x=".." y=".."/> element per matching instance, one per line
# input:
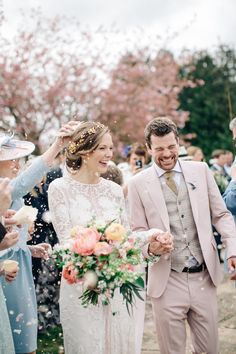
<point x="170" y="181"/>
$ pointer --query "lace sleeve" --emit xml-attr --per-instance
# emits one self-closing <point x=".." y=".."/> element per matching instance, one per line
<point x="143" y="236"/>
<point x="59" y="213"/>
<point x="123" y="213"/>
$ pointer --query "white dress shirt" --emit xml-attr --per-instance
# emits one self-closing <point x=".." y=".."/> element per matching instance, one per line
<point x="161" y="172"/>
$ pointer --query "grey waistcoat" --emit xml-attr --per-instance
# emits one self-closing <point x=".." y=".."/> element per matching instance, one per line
<point x="182" y="227"/>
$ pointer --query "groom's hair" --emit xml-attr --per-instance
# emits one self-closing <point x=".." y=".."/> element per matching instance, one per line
<point x="160" y="126"/>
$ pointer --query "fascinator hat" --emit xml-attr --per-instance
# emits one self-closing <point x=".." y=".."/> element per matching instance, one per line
<point x="12" y="149"/>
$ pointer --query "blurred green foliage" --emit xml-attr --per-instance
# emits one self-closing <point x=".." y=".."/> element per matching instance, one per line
<point x="51" y="342"/>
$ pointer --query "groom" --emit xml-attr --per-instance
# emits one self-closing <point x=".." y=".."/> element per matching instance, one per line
<point x="183" y="198"/>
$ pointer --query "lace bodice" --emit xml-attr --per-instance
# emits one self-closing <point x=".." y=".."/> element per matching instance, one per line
<point x="73" y="203"/>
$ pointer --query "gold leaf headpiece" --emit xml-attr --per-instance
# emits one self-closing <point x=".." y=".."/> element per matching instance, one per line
<point x="72" y="147"/>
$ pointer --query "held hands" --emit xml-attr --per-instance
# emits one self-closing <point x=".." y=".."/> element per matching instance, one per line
<point x="40" y="251"/>
<point x="160" y="243"/>
<point x="232" y="267"/>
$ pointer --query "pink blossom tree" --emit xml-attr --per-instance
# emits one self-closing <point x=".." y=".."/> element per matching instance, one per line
<point x="44" y="77"/>
<point x="142" y="87"/>
<point x="51" y="71"/>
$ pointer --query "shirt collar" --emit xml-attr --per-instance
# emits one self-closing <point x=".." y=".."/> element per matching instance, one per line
<point x="160" y="171"/>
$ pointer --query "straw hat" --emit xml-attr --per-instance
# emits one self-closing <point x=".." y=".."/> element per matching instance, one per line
<point x="183" y="154"/>
<point x="12" y="149"/>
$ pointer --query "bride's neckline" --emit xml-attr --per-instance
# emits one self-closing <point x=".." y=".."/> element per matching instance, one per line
<point x="68" y="176"/>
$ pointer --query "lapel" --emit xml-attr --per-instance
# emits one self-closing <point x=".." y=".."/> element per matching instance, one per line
<point x="154" y="189"/>
<point x="191" y="178"/>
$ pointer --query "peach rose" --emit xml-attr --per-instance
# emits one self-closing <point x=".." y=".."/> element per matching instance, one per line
<point x="102" y="248"/>
<point x="115" y="232"/>
<point x="85" y="242"/>
<point x="79" y="231"/>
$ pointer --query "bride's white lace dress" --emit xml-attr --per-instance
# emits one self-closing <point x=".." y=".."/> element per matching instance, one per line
<point x="92" y="330"/>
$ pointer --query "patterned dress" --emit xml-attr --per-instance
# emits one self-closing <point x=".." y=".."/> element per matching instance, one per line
<point x="20" y="294"/>
<point x="94" y="329"/>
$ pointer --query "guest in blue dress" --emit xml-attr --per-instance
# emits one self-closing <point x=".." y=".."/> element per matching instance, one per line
<point x="6" y="341"/>
<point x="20" y="294"/>
<point x="229" y="195"/>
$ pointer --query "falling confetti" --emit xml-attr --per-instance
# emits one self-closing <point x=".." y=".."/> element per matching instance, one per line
<point x="19" y="317"/>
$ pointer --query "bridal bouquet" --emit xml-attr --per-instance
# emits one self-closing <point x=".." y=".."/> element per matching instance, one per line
<point x="102" y="258"/>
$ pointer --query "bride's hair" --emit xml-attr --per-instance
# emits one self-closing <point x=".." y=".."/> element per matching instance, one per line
<point x="85" y="139"/>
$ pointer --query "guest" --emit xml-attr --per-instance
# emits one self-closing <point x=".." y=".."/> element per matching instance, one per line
<point x="20" y="295"/>
<point x="222" y="180"/>
<point x="136" y="160"/>
<point x="230" y="192"/>
<point x="221" y="177"/>
<point x="6" y="341"/>
<point x="232" y="127"/>
<point x="229" y="162"/>
<point x="114" y="174"/>
<point x="229" y="195"/>
<point x="196" y="153"/>
<point x="183" y="154"/>
<point x="46" y="276"/>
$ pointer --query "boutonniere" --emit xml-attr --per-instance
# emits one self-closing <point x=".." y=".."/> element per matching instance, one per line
<point x="192" y="185"/>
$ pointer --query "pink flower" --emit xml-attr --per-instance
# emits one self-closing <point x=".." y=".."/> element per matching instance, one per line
<point x="127" y="266"/>
<point x="69" y="273"/>
<point x="131" y="240"/>
<point x="85" y="241"/>
<point x="102" y="248"/>
<point x="79" y="231"/>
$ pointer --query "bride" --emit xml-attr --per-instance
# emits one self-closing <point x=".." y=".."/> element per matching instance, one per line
<point x="75" y="199"/>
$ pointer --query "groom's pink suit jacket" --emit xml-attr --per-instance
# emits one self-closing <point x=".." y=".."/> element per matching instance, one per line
<point x="148" y="210"/>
